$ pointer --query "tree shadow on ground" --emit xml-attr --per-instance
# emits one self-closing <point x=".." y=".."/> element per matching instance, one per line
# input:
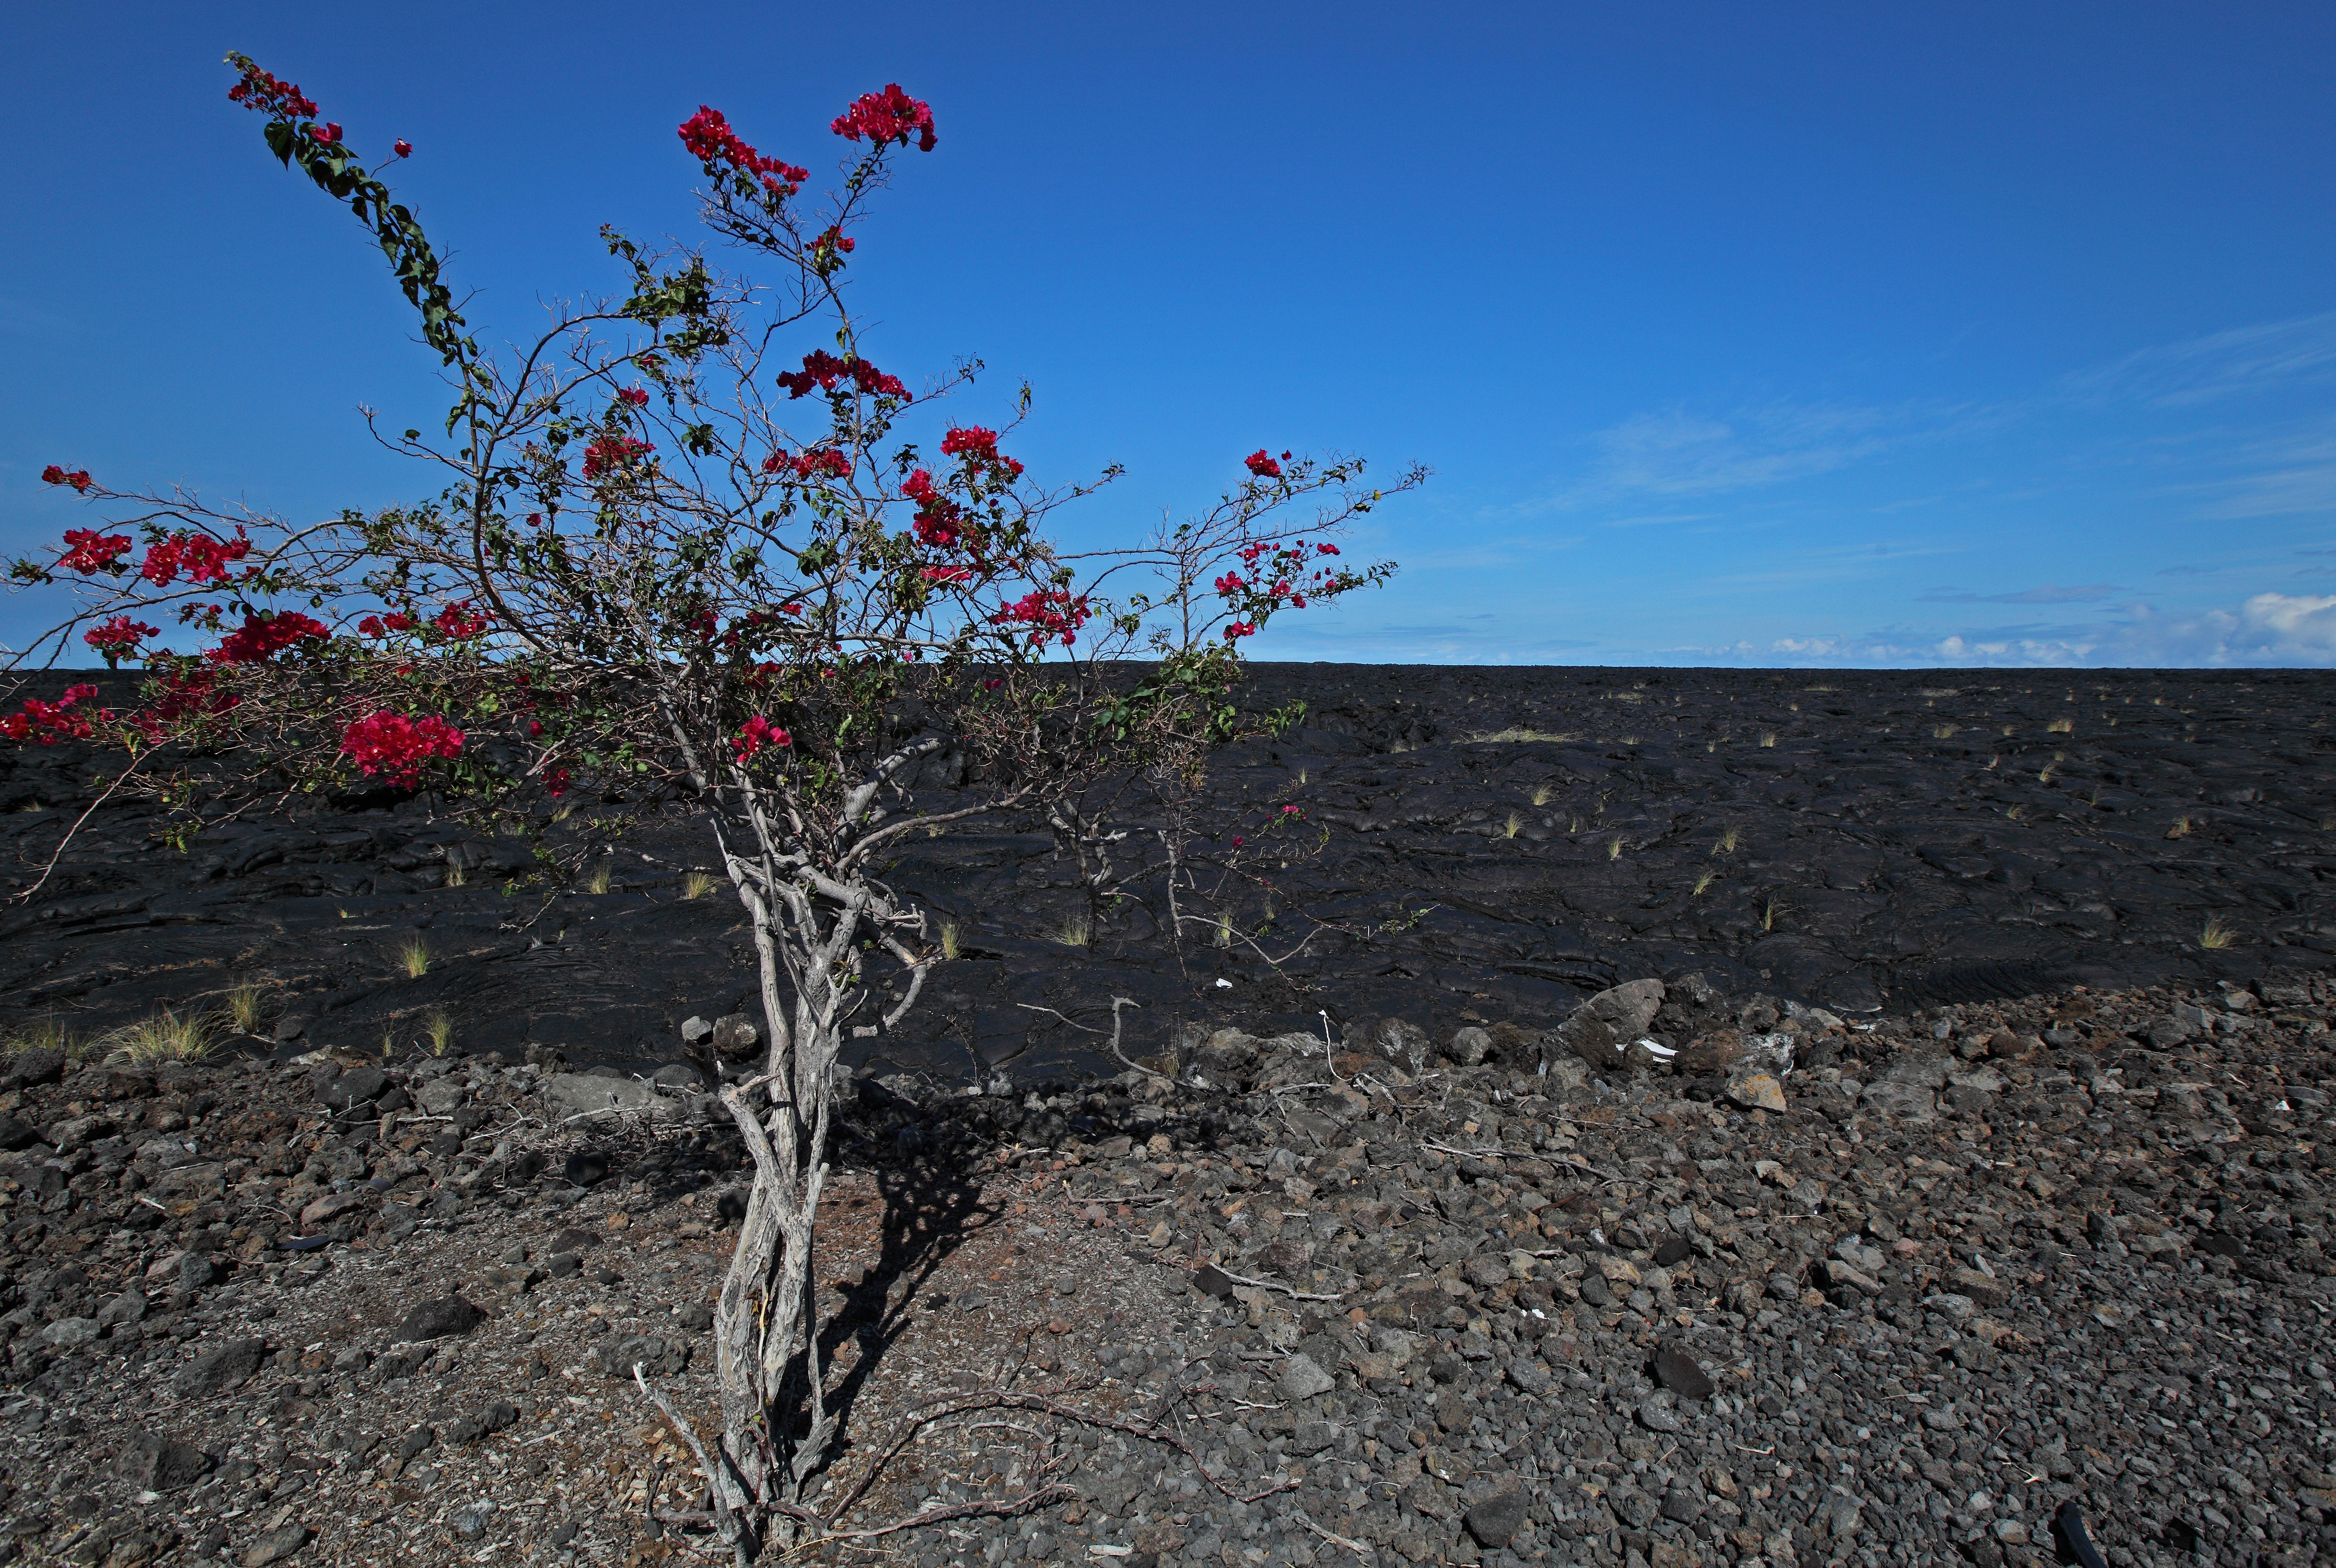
<point x="935" y="1200"/>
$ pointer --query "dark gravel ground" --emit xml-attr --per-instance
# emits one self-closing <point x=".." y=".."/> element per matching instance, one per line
<point x="1519" y="1298"/>
<point x="1500" y="844"/>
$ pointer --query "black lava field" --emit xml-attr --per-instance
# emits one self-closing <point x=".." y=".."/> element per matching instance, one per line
<point x="1495" y="845"/>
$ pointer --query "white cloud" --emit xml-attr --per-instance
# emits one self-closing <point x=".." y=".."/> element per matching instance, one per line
<point x="1675" y="454"/>
<point x="2050" y="593"/>
<point x="2246" y="359"/>
<point x="2266" y="631"/>
<point x="2296" y="474"/>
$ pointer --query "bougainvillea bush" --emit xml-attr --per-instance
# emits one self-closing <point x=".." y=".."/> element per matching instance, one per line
<point x="693" y="548"/>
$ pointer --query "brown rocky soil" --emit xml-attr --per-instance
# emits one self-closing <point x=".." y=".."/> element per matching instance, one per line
<point x="1532" y="1296"/>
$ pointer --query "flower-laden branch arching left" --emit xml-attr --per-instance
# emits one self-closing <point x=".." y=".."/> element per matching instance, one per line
<point x="680" y="557"/>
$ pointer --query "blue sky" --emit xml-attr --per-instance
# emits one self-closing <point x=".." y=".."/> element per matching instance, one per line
<point x="1803" y="334"/>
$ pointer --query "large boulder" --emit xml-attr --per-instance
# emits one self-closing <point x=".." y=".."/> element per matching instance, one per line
<point x="154" y="1462"/>
<point x="1603" y="1031"/>
<point x="1398" y="1040"/>
<point x="1908" y="1089"/>
<point x="31" y="1068"/>
<point x="217" y="1370"/>
<point x="443" y="1318"/>
<point x="570" y="1096"/>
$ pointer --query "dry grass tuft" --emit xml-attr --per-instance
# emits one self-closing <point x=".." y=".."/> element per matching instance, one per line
<point x="1945" y="732"/>
<point x="413" y="957"/>
<point x="1075" y="931"/>
<point x="246" y="1004"/>
<point x="2062" y="727"/>
<point x="48" y="1034"/>
<point x="1614" y="848"/>
<point x="165" y="1036"/>
<point x="949" y="939"/>
<point x="1767" y="737"/>
<point x="1542" y="792"/>
<point x="600" y="877"/>
<point x="698" y="883"/>
<point x="1729" y="841"/>
<point x="1509" y="828"/>
<point x="2215" y="935"/>
<point x="1703" y="882"/>
<point x="455" y="875"/>
<point x="441" y="1026"/>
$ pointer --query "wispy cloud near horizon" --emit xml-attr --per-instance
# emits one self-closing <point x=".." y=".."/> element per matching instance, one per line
<point x="2050" y="593"/>
<point x="2221" y="364"/>
<point x="1679" y="451"/>
<point x="1673" y="454"/>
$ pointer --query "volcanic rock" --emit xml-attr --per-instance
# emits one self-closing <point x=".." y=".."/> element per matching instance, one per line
<point x="437" y="1320"/>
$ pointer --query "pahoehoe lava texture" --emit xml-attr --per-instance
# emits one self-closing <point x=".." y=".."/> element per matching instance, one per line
<point x="1501" y="842"/>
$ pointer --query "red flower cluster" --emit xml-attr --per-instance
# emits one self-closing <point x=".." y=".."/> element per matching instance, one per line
<point x="1263" y="466"/>
<point x="636" y="396"/>
<point x="202" y="559"/>
<point x="833" y="238"/>
<point x="978" y="447"/>
<point x="327" y="133"/>
<point x="1048" y="613"/>
<point x="612" y="452"/>
<point x="78" y="478"/>
<point x="758" y="733"/>
<point x="555" y="782"/>
<point x="940" y="521"/>
<point x="809" y="463"/>
<point x="459" y="622"/>
<point x="118" y="637"/>
<point x="398" y="747"/>
<point x="263" y="638"/>
<point x="261" y="90"/>
<point x="1286" y="581"/>
<point x="183" y="694"/>
<point x="824" y="370"/>
<point x="402" y="148"/>
<point x="709" y="138"/>
<point x="50" y="722"/>
<point x="383" y="625"/>
<point x="890" y="115"/>
<point x="87" y="552"/>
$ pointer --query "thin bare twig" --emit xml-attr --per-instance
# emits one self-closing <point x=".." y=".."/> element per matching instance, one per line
<point x="1116" y="1003"/>
<point x="49" y="869"/>
<point x="1053" y="1492"/>
<point x="1295" y="1295"/>
<point x="716" y="1482"/>
<point x="1150" y="1432"/>
<point x="1355" y="1546"/>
